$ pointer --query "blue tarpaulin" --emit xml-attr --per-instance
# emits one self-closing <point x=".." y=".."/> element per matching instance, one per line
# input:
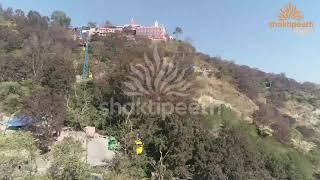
<point x="20" y="121"/>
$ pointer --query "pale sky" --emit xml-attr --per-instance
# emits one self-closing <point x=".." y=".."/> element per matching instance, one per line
<point x="232" y="29"/>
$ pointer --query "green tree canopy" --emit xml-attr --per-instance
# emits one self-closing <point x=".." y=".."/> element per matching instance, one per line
<point x="92" y="24"/>
<point x="60" y="18"/>
<point x="178" y="30"/>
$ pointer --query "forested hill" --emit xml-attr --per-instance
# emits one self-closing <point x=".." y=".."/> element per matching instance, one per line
<point x="262" y="125"/>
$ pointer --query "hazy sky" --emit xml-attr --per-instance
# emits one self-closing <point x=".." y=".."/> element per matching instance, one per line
<point x="232" y="29"/>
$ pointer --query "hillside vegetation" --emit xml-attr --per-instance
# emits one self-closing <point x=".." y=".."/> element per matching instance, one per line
<point x="262" y="125"/>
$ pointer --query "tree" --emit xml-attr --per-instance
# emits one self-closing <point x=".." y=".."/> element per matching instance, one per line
<point x="19" y="12"/>
<point x="8" y="12"/>
<point x="12" y="94"/>
<point x="48" y="112"/>
<point x="92" y="24"/>
<point x="36" y="21"/>
<point x="60" y="18"/>
<point x="68" y="161"/>
<point x="107" y="23"/>
<point x="49" y="55"/>
<point x="10" y="39"/>
<point x="178" y="31"/>
<point x="229" y="156"/>
<point x="14" y="69"/>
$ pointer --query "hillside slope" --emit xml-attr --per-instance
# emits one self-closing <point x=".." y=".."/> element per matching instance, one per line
<point x="263" y="126"/>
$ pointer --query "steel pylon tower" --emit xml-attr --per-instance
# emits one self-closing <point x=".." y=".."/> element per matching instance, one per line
<point x="85" y="71"/>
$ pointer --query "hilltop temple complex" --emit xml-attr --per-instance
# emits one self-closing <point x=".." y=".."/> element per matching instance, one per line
<point x="155" y="32"/>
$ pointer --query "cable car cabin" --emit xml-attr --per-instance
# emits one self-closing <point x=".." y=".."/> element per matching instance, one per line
<point x="139" y="147"/>
<point x="267" y="84"/>
<point x="112" y="143"/>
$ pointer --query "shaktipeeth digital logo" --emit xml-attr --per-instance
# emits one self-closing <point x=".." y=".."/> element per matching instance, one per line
<point x="292" y="18"/>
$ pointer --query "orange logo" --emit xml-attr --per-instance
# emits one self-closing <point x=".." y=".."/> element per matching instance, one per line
<point x="291" y="17"/>
<point x="290" y="12"/>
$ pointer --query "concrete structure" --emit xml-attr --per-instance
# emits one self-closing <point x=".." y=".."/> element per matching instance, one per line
<point x="96" y="146"/>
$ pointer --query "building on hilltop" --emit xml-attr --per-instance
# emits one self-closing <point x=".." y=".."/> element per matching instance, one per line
<point x="112" y="29"/>
<point x="155" y="32"/>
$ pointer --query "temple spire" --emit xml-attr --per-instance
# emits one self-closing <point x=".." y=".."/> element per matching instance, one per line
<point x="132" y="21"/>
<point x="156" y="24"/>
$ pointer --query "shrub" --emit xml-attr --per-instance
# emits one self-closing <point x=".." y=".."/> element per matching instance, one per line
<point x="68" y="161"/>
<point x="17" y="155"/>
<point x="12" y="94"/>
<point x="283" y="162"/>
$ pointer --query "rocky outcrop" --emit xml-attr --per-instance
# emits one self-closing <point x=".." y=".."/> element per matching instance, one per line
<point x="215" y="92"/>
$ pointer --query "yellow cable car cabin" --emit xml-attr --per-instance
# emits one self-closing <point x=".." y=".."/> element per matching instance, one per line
<point x="139" y="147"/>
